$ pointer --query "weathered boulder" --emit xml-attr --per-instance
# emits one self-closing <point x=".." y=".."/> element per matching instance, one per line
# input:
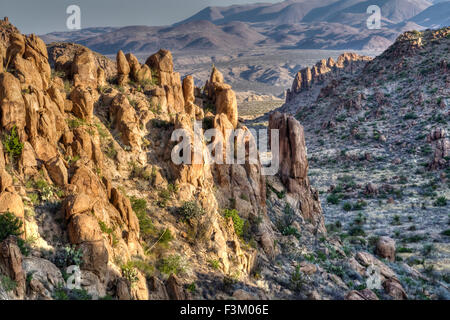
<point x="394" y="289"/>
<point x="124" y="119"/>
<point x="12" y="104"/>
<point x="83" y="103"/>
<point x="11" y="202"/>
<point x="385" y="248"/>
<point x="84" y="68"/>
<point x="11" y="264"/>
<point x="57" y="171"/>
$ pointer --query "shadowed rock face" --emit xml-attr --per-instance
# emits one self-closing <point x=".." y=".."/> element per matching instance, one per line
<point x="293" y="168"/>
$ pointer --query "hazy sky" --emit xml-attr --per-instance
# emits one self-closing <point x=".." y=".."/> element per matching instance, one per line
<point x="43" y="16"/>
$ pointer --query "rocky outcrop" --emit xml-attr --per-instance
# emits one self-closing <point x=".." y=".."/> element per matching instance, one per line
<point x="293" y="169"/>
<point x="123" y="68"/>
<point x="62" y="56"/>
<point x="11" y="265"/>
<point x="324" y="71"/>
<point x="124" y="119"/>
<point x="441" y="144"/>
<point x="139" y="73"/>
<point x="222" y="96"/>
<point x="385" y="248"/>
<point x="162" y="64"/>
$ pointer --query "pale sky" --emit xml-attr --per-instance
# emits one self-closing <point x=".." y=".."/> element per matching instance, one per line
<point x="43" y="16"/>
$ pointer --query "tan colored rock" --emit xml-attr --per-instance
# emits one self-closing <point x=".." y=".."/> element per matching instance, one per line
<point x="16" y="47"/>
<point x="84" y="68"/>
<point x="87" y="182"/>
<point x="216" y="76"/>
<point x="6" y="180"/>
<point x="36" y="51"/>
<point x="83" y="103"/>
<point x="95" y="257"/>
<point x="123" y="68"/>
<point x="11" y="264"/>
<point x="366" y="260"/>
<point x="124" y="119"/>
<point x="57" y="171"/>
<point x="188" y="89"/>
<point x="133" y="63"/>
<point x="11" y="202"/>
<point x="226" y="104"/>
<point x="84" y="228"/>
<point x="161" y="61"/>
<point x="144" y="74"/>
<point x="12" y="104"/>
<point x="385" y="248"/>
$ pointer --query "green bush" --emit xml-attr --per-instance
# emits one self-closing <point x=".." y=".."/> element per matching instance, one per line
<point x="10" y="225"/>
<point x="7" y="283"/>
<point x="140" y="209"/>
<point x="165" y="237"/>
<point x="191" y="210"/>
<point x="440" y="202"/>
<point x="130" y="273"/>
<point x="171" y="264"/>
<point x="237" y="221"/>
<point x="215" y="264"/>
<point x="11" y="143"/>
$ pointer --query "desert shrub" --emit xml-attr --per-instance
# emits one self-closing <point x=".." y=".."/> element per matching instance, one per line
<point x="410" y="116"/>
<point x="347" y="206"/>
<point x="130" y="273"/>
<point x="291" y="231"/>
<point x="446" y="232"/>
<point x="357" y="231"/>
<point x="145" y="267"/>
<point x="61" y="293"/>
<point x="104" y="227"/>
<point x="7" y="283"/>
<point x="137" y="171"/>
<point x="111" y="151"/>
<point x="238" y="222"/>
<point x="440" y="202"/>
<point x="334" y="198"/>
<point x="68" y="256"/>
<point x="191" y="210"/>
<point x="297" y="280"/>
<point x="171" y="264"/>
<point x="139" y="206"/>
<point x="215" y="264"/>
<point x="165" y="236"/>
<point x="11" y="143"/>
<point x="10" y="225"/>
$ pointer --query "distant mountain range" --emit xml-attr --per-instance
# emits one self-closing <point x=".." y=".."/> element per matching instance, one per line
<point x="291" y="24"/>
